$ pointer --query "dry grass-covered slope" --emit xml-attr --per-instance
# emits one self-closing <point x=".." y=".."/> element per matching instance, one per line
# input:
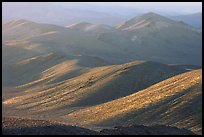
<point x="170" y="102"/>
<point x="96" y="75"/>
<point x="116" y="94"/>
<point x="93" y="86"/>
<point x="19" y="61"/>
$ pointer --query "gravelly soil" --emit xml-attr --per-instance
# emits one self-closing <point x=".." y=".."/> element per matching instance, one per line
<point x="146" y="130"/>
<point x="22" y="126"/>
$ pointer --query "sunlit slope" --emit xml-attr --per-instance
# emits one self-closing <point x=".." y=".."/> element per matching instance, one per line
<point x="175" y="101"/>
<point x="93" y="86"/>
<point x="48" y="67"/>
<point x="20" y="57"/>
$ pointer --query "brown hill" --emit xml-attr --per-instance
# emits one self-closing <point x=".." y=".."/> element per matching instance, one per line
<point x="93" y="86"/>
<point x="170" y="102"/>
<point x="150" y="37"/>
<point x="26" y="126"/>
<point x="146" y="130"/>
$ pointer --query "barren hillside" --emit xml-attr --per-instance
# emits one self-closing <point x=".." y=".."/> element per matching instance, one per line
<point x="144" y="71"/>
<point x="169" y="102"/>
<point x="93" y="86"/>
<point x="25" y="126"/>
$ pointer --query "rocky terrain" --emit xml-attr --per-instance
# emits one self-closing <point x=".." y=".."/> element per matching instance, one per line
<point x="22" y="126"/>
<point x="146" y="130"/>
<point x="169" y="102"/>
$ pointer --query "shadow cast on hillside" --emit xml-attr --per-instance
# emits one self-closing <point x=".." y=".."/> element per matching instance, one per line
<point x="131" y="80"/>
<point x="49" y="130"/>
<point x="156" y="113"/>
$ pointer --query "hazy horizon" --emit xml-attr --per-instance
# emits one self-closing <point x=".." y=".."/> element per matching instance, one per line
<point x="179" y="7"/>
<point x="109" y="13"/>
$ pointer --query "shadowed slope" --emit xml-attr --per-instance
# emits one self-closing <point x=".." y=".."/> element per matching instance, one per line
<point x="146" y="130"/>
<point x="23" y="126"/>
<point x="19" y="59"/>
<point x="58" y="79"/>
<point x="194" y="19"/>
<point x="95" y="86"/>
<point x="151" y="21"/>
<point x="160" y="39"/>
<point x="174" y="99"/>
<point x="132" y="78"/>
<point x="149" y="37"/>
<point x="43" y="38"/>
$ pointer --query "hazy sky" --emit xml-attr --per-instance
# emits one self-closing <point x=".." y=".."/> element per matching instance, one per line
<point x="182" y="7"/>
<point x="95" y="12"/>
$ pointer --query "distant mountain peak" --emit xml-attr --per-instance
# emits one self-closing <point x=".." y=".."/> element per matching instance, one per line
<point x="154" y="16"/>
<point x="16" y="22"/>
<point x="150" y="14"/>
<point x="19" y="21"/>
<point x="150" y="19"/>
<point x="79" y="25"/>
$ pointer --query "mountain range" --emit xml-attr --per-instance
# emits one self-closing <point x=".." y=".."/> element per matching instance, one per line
<point x="148" y="37"/>
<point x="143" y="71"/>
<point x="64" y="14"/>
<point x="194" y="20"/>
